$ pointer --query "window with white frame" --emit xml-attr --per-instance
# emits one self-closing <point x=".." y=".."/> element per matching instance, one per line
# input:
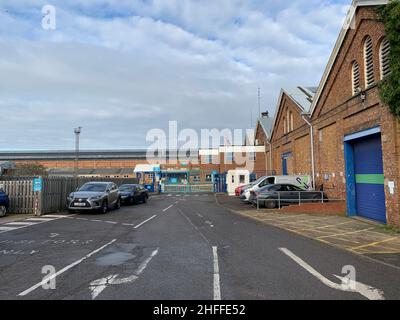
<point x="355" y="70"/>
<point x="384" y="53"/>
<point x="369" y="62"/>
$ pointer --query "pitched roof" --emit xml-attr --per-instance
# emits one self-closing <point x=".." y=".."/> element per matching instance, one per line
<point x="342" y="35"/>
<point x="301" y="96"/>
<point x="266" y="125"/>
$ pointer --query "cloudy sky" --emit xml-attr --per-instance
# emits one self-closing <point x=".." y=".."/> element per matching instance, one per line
<point x="119" y="68"/>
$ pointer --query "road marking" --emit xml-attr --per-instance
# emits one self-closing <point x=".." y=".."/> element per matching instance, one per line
<point x="20" y="223"/>
<point x="38" y="219"/>
<point x="168" y="208"/>
<point x="216" y="287"/>
<point x="369" y="292"/>
<point x="111" y="222"/>
<point x="8" y="228"/>
<point x="128" y="224"/>
<point x="341" y="234"/>
<point x="375" y="243"/>
<point x="55" y="216"/>
<point x="46" y="280"/>
<point x="98" y="286"/>
<point x="140" y="224"/>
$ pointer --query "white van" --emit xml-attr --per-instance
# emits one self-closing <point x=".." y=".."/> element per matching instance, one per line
<point x="303" y="182"/>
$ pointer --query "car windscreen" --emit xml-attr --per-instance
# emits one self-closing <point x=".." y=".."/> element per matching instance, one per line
<point x="127" y="188"/>
<point x="93" y="187"/>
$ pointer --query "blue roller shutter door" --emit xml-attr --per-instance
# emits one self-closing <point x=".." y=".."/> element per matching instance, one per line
<point x="369" y="178"/>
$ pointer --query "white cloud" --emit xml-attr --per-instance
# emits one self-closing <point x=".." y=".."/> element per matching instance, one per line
<point x="120" y="68"/>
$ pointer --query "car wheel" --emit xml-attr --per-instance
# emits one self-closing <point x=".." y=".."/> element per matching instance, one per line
<point x="145" y="199"/>
<point x="104" y="207"/>
<point x="132" y="201"/>
<point x="3" y="211"/>
<point x="270" y="204"/>
<point x="118" y="204"/>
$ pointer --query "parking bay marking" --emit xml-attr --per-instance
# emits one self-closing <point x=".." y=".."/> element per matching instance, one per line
<point x="46" y="280"/>
<point x="369" y="292"/>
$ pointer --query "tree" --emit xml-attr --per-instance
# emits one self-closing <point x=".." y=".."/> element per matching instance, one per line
<point x="389" y="88"/>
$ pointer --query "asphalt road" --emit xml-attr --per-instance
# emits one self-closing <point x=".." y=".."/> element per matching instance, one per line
<point x="182" y="248"/>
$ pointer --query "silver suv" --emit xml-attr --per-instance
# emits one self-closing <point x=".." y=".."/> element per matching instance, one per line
<point x="99" y="196"/>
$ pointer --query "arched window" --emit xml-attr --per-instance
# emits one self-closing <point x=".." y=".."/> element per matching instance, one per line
<point x="284" y="125"/>
<point x="384" y="59"/>
<point x="355" y="77"/>
<point x="291" y="120"/>
<point x="369" y="62"/>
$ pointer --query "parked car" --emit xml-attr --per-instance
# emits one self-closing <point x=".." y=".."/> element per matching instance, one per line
<point x="4" y="203"/>
<point x="239" y="189"/>
<point x="299" y="181"/>
<point x="95" y="196"/>
<point x="133" y="193"/>
<point x="286" y="194"/>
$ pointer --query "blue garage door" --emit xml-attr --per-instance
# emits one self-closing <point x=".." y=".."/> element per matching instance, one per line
<point x="370" y="191"/>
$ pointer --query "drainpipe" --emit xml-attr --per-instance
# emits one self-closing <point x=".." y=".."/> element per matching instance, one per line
<point x="303" y="115"/>
<point x="270" y="157"/>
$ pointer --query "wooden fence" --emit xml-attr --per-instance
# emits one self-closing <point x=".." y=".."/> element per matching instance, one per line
<point x="53" y="196"/>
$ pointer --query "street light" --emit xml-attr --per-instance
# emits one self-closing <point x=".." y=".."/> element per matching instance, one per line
<point x="77" y="132"/>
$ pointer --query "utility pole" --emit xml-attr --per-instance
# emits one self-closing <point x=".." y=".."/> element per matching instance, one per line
<point x="77" y="132"/>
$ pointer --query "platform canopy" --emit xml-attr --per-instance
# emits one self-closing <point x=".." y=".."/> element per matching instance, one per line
<point x="147" y="168"/>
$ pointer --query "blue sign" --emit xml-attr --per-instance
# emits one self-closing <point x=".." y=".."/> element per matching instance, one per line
<point x="37" y="184"/>
<point x="156" y="169"/>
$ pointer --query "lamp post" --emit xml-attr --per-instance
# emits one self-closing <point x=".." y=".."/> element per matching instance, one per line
<point x="77" y="132"/>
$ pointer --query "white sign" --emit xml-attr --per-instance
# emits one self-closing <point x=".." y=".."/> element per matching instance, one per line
<point x="391" y="187"/>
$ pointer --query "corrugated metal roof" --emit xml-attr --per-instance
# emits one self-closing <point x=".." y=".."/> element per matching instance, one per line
<point x="266" y="124"/>
<point x="303" y="96"/>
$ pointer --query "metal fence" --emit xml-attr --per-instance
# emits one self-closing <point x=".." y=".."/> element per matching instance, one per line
<point x="282" y="199"/>
<point x="53" y="196"/>
<point x="192" y="188"/>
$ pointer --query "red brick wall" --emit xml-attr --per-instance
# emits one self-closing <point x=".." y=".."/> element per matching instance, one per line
<point x="338" y="113"/>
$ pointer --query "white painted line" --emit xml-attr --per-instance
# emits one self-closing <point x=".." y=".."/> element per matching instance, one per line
<point x="369" y="292"/>
<point x="216" y="287"/>
<point x="111" y="222"/>
<point x="128" y="224"/>
<point x="140" y="224"/>
<point x="39" y="219"/>
<point x="46" y="280"/>
<point x="39" y="222"/>
<point x="168" y="208"/>
<point x="98" y="286"/>
<point x="97" y="220"/>
<point x="21" y="223"/>
<point x="83" y="219"/>
<point x="54" y="216"/>
<point x="7" y="228"/>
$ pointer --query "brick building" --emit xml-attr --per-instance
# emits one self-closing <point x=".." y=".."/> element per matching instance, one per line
<point x="356" y="137"/>
<point x="354" y="154"/>
<point x="290" y="135"/>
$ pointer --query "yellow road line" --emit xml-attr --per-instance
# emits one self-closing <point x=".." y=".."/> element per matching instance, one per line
<point x="327" y="226"/>
<point x="341" y="234"/>
<point x="374" y="243"/>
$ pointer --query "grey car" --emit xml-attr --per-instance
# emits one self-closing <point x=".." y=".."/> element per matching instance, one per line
<point x="95" y="196"/>
<point x="273" y="195"/>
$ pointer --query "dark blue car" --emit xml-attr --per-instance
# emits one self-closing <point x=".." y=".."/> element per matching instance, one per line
<point x="4" y="203"/>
